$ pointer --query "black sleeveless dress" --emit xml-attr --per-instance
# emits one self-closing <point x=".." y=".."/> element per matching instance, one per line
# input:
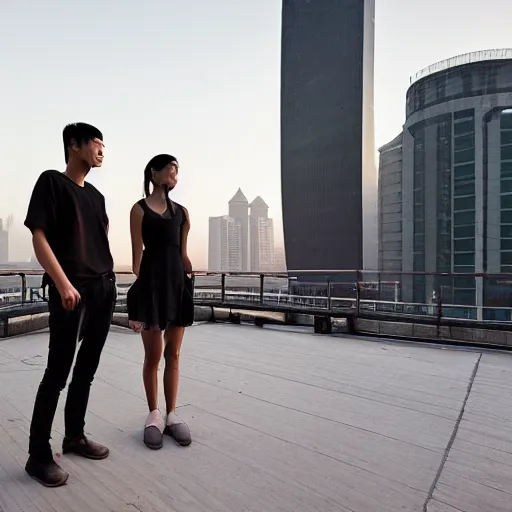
<point x="161" y="295"/>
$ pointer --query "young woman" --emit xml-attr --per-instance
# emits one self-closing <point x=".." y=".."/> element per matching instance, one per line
<point x="159" y="301"/>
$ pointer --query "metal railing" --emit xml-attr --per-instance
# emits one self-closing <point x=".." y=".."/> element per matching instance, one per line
<point x="398" y="296"/>
<point x="460" y="60"/>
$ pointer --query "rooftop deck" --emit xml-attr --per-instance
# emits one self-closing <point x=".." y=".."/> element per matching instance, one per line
<point x="282" y="421"/>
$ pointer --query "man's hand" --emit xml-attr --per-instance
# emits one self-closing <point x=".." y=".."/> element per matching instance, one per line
<point x="70" y="296"/>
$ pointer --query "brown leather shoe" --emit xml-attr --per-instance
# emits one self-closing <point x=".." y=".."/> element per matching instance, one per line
<point x="49" y="473"/>
<point x="85" y="448"/>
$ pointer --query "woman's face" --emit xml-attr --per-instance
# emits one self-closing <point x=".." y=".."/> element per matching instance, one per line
<point x="167" y="176"/>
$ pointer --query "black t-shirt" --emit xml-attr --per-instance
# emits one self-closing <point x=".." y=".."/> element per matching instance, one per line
<point x="75" y="223"/>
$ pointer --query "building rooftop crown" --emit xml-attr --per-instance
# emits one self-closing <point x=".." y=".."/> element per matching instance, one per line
<point x="258" y="203"/>
<point x="239" y="197"/>
<point x="460" y="60"/>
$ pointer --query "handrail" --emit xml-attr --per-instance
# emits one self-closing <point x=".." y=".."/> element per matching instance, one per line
<point x="37" y="272"/>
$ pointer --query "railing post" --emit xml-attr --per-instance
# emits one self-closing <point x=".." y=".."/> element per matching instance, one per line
<point x="358" y="292"/>
<point x="329" y="298"/>
<point x="262" y="285"/>
<point x="439" y="313"/>
<point x="223" y="288"/>
<point x="23" y="288"/>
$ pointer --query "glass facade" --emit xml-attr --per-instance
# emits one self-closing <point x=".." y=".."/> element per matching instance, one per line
<point x="506" y="191"/>
<point x="457" y="157"/>
<point x="464" y="215"/>
<point x="419" y="214"/>
<point x="444" y="196"/>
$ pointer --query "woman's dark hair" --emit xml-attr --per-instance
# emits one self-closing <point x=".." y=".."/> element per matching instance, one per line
<point x="158" y="163"/>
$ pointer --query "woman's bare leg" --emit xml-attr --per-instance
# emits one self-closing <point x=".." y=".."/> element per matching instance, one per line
<point x="173" y="339"/>
<point x="153" y="347"/>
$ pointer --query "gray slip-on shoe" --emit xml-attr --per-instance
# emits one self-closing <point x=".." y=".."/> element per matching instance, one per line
<point x="153" y="437"/>
<point x="180" y="433"/>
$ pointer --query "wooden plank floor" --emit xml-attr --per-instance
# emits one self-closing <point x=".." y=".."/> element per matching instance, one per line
<point x="282" y="421"/>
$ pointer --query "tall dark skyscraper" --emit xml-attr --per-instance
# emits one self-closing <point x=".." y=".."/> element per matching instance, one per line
<point x="328" y="171"/>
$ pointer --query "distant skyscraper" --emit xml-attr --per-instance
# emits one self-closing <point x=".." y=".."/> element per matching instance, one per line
<point x="279" y="260"/>
<point x="4" y="243"/>
<point x="242" y="236"/>
<point x="239" y="210"/>
<point x="224" y="245"/>
<point x="390" y="205"/>
<point x="328" y="172"/>
<point x="261" y="238"/>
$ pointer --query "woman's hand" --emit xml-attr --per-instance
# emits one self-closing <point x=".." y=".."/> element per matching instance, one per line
<point x="187" y="265"/>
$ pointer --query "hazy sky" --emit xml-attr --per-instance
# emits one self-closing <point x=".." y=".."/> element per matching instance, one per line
<point x="198" y="79"/>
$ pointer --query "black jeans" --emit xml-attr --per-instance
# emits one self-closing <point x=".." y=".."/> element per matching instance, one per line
<point x="93" y="317"/>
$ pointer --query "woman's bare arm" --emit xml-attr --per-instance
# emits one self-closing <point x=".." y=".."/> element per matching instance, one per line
<point x="187" y="265"/>
<point x="136" y="215"/>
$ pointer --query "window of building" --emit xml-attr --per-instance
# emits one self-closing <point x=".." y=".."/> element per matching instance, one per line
<point x="506" y="152"/>
<point x="464" y="142"/>
<point x="464" y="231"/>
<point x="462" y="297"/>
<point x="465" y="244"/>
<point x="506" y="169"/>
<point x="464" y="282"/>
<point x="506" y="231"/>
<point x="506" y="216"/>
<point x="464" y="172"/>
<point x="464" y="269"/>
<point x="463" y="188"/>
<point x="464" y="203"/>
<point x="463" y="218"/>
<point x="506" y="137"/>
<point x="506" y="186"/>
<point x="506" y="120"/>
<point x="464" y="115"/>
<point x="466" y="155"/>
<point x="506" y="257"/>
<point x="506" y="201"/>
<point x="464" y="258"/>
<point x="463" y="128"/>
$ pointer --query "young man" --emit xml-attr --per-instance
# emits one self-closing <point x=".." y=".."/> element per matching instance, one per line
<point x="69" y="227"/>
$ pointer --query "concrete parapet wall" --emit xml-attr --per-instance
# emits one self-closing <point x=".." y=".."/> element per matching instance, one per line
<point x="463" y="335"/>
<point x="23" y="325"/>
<point x="459" y="334"/>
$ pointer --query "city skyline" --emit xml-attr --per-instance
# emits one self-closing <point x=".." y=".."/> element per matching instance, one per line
<point x="217" y="109"/>
<point x="243" y="240"/>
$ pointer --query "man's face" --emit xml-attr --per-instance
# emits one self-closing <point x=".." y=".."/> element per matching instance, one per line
<point x="91" y="152"/>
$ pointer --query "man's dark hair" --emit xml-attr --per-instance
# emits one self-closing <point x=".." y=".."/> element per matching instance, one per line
<point x="81" y="133"/>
